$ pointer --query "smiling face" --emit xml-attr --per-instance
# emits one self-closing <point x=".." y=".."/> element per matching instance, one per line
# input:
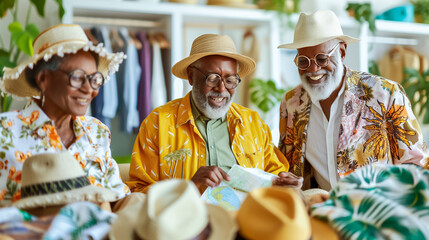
<point x="213" y="102"/>
<point x="321" y="82"/>
<point x="60" y="97"/>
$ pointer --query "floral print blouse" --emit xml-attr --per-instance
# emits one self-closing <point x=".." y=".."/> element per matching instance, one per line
<point x="30" y="131"/>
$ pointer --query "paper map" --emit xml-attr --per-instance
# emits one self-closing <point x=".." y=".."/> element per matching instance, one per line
<point x="230" y="195"/>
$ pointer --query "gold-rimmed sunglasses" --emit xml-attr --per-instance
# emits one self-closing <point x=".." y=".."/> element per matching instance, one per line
<point x="321" y="59"/>
<point x="214" y="79"/>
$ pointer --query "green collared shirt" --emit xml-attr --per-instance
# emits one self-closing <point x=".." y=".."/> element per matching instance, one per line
<point x="215" y="134"/>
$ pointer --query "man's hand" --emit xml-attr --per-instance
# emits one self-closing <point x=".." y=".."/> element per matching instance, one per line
<point x="288" y="179"/>
<point x="209" y="176"/>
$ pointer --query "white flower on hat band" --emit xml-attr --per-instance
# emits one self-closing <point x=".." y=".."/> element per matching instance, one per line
<point x="46" y="57"/>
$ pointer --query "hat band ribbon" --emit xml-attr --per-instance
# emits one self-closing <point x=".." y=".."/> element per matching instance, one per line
<point x="54" y="187"/>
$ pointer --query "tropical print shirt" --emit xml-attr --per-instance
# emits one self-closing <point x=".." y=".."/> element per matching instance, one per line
<point x="169" y="144"/>
<point x="377" y="125"/>
<point x="30" y="131"/>
<point x="379" y="201"/>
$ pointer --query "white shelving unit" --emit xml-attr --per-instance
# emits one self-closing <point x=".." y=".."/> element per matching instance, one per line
<point x="388" y="34"/>
<point x="182" y="23"/>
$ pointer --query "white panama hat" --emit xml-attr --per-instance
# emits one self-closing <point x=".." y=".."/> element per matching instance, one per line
<point x="316" y="28"/>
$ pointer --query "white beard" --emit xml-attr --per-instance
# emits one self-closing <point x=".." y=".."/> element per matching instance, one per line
<point x="324" y="90"/>
<point x="204" y="107"/>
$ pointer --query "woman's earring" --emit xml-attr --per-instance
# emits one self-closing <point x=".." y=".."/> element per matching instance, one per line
<point x="43" y="99"/>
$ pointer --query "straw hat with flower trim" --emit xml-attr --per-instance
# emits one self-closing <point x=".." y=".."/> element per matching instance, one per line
<point x="173" y="210"/>
<point x="52" y="179"/>
<point x="214" y="44"/>
<point x="277" y="213"/>
<point x="57" y="40"/>
<point x="317" y="28"/>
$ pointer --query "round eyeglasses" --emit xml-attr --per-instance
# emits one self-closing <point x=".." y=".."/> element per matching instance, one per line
<point x="321" y="59"/>
<point x="78" y="77"/>
<point x="214" y="79"/>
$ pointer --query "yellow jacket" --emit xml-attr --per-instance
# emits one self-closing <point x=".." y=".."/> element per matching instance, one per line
<point x="171" y="129"/>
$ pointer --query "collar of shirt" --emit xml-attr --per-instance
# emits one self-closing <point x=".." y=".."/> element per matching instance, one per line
<point x="43" y="119"/>
<point x="340" y="94"/>
<point x="324" y="160"/>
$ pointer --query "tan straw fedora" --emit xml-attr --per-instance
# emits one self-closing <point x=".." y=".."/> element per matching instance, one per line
<point x="52" y="179"/>
<point x="213" y="44"/>
<point x="172" y="210"/>
<point x="57" y="40"/>
<point x="317" y="28"/>
<point x="277" y="213"/>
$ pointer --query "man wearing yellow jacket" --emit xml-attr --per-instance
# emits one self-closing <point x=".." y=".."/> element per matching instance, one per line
<point x="200" y="136"/>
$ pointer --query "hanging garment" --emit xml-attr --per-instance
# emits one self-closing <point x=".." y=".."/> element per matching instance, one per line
<point x="166" y="63"/>
<point x="128" y="80"/>
<point x="144" y="104"/>
<point x="250" y="48"/>
<point x="110" y="97"/>
<point x="159" y="93"/>
<point x="97" y="102"/>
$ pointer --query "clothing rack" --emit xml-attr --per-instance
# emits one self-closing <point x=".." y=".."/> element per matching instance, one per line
<point x="118" y="22"/>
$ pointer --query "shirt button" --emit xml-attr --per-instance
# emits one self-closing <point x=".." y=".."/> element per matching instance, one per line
<point x="202" y="155"/>
<point x="211" y="146"/>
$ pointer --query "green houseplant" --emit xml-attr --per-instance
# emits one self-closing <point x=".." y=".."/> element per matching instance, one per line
<point x="362" y="12"/>
<point x="421" y="10"/>
<point x="284" y="8"/>
<point x="416" y="86"/>
<point x="265" y="94"/>
<point x="21" y="37"/>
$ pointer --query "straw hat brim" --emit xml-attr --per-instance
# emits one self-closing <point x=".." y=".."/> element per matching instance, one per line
<point x="14" y="80"/>
<point x="125" y="230"/>
<point x="316" y="41"/>
<point x="245" y="64"/>
<point x="89" y="193"/>
<point x="222" y="225"/>
<point x="321" y="230"/>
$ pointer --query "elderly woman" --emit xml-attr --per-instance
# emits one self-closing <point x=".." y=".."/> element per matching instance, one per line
<point x="64" y="75"/>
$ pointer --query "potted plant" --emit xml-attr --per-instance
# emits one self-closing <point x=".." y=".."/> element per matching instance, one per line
<point x="284" y="8"/>
<point x="421" y="10"/>
<point x="416" y="86"/>
<point x="21" y="37"/>
<point x="265" y="94"/>
<point x="362" y="12"/>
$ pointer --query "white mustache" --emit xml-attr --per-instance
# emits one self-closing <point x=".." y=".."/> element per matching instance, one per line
<point x="217" y="94"/>
<point x="310" y="74"/>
